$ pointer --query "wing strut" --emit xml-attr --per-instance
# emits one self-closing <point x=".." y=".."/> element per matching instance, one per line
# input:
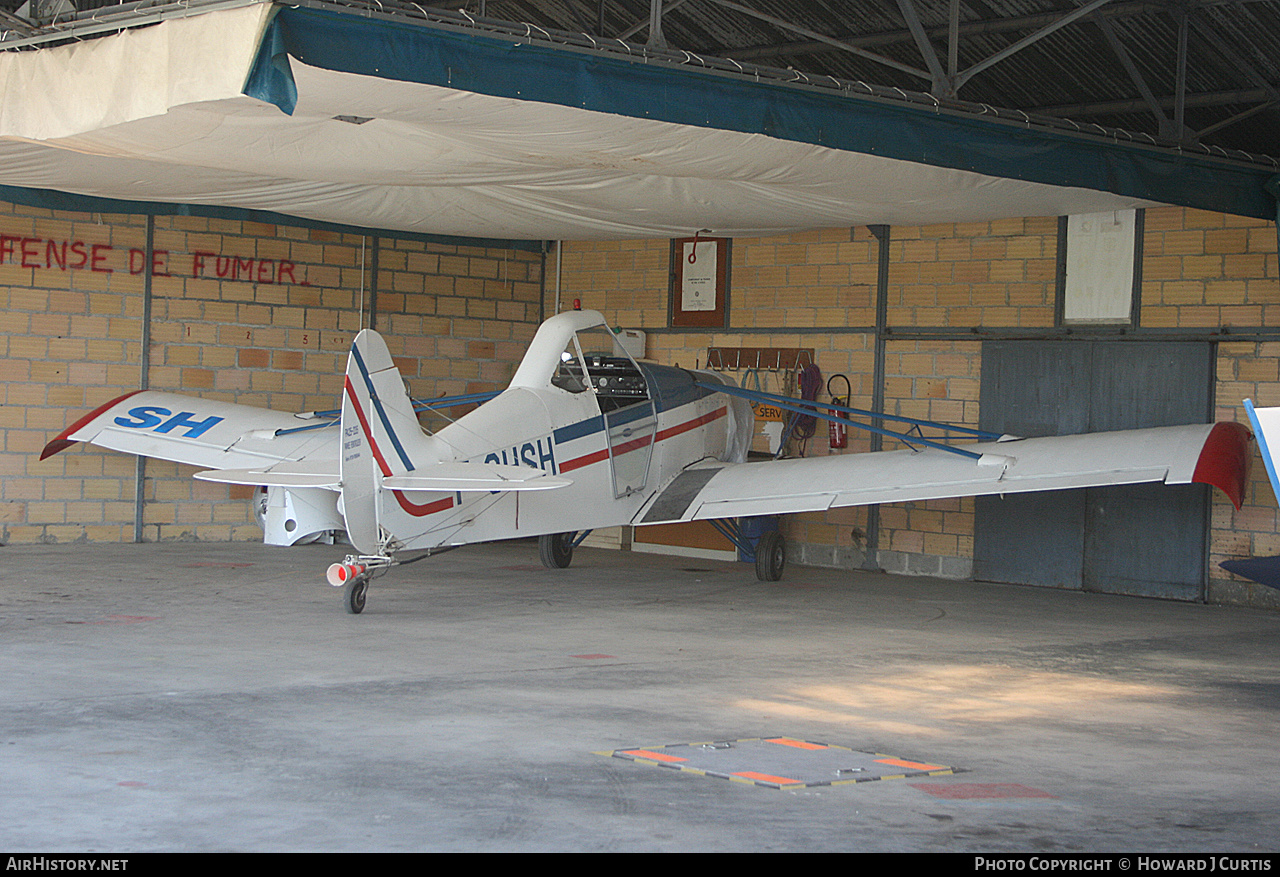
<point x="826" y="410"/>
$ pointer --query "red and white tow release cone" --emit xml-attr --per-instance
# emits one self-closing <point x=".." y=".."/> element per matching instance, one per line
<point x="341" y="573"/>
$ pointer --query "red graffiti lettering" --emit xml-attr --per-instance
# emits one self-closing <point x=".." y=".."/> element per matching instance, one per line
<point x="74" y="255"/>
<point x="30" y="250"/>
<point x="98" y="257"/>
<point x="52" y="254"/>
<point x="77" y="249"/>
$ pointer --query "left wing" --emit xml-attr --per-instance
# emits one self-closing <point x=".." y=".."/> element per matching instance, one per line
<point x="1216" y="454"/>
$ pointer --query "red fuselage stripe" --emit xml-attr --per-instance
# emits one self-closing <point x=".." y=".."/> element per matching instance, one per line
<point x="635" y="444"/>
<point x="691" y="424"/>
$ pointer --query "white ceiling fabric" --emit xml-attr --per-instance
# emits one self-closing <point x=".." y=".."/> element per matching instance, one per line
<point x="158" y="115"/>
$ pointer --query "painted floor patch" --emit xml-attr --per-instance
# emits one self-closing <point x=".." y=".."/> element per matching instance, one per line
<point x="780" y="762"/>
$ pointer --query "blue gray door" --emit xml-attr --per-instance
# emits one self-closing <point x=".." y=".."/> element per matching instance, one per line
<point x="1140" y="539"/>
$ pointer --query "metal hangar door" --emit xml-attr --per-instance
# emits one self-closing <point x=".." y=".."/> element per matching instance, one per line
<point x="1147" y="539"/>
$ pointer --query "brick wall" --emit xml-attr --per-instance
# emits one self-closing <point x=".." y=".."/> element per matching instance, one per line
<point x="247" y="312"/>
<point x="990" y="274"/>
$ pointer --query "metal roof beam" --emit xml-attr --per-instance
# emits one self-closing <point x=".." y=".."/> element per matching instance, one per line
<point x="1118" y="49"/>
<point x="824" y="39"/>
<point x="1133" y="105"/>
<point x="1021" y="44"/>
<point x="1237" y="60"/>
<point x="656" y="39"/>
<point x="942" y="84"/>
<point x="1238" y="117"/>
<point x="953" y="39"/>
<point x="1121" y="8"/>
<point x="1180" y="82"/>
<point x="646" y="22"/>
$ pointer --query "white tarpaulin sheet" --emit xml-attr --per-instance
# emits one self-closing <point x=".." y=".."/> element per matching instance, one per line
<point x="158" y="115"/>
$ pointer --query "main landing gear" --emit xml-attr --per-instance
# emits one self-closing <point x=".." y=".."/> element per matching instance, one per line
<point x="771" y="556"/>
<point x="556" y="549"/>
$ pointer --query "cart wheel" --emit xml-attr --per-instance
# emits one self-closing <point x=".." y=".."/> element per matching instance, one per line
<point x="556" y="549"/>
<point x="771" y="556"/>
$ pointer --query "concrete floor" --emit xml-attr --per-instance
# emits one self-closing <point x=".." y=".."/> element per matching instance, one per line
<point x="217" y="697"/>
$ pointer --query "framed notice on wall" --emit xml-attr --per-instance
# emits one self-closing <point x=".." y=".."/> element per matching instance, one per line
<point x="1103" y="262"/>
<point x="699" y="282"/>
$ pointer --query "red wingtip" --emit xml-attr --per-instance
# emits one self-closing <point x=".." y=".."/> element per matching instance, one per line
<point x="1224" y="460"/>
<point x="63" y="440"/>
<point x="56" y="445"/>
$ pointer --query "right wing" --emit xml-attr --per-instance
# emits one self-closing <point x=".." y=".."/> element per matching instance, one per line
<point x="1212" y="454"/>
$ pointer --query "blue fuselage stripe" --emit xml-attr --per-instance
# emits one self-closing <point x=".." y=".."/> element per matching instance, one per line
<point x="377" y="406"/>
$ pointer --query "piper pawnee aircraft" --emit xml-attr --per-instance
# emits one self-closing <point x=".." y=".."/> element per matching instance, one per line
<point x="587" y="437"/>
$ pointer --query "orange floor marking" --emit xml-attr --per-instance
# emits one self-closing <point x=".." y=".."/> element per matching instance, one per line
<point x="798" y="744"/>
<point x="910" y="765"/>
<point x="655" y="756"/>
<point x="767" y="778"/>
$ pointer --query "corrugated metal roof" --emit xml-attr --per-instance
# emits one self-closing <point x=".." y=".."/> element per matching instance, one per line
<point x="1232" y="53"/>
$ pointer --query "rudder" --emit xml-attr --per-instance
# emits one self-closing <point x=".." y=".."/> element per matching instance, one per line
<point x="378" y="421"/>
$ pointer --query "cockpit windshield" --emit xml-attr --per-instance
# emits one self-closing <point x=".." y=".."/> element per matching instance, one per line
<point x="594" y="358"/>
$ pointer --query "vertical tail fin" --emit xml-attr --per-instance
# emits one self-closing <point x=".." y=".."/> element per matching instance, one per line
<point x="378" y="431"/>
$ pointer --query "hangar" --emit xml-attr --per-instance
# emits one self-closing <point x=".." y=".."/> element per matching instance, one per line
<point x="1041" y="216"/>
<point x="212" y="197"/>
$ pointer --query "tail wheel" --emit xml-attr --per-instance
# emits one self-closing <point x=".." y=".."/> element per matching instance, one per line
<point x="771" y="556"/>
<point x="556" y="549"/>
<point x="354" y="594"/>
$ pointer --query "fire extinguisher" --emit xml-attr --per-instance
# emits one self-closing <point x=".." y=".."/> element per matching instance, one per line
<point x="837" y="433"/>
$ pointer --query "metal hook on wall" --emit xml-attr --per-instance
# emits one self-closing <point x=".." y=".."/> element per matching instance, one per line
<point x="693" y="251"/>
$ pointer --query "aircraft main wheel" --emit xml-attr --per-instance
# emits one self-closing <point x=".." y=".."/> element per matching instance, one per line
<point x="771" y="556"/>
<point x="556" y="549"/>
<point x="353" y="595"/>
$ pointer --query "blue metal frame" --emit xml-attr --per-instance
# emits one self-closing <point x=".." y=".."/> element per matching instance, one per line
<point x="731" y="529"/>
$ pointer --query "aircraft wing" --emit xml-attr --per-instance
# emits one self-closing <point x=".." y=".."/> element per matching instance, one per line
<point x="1215" y="454"/>
<point x="200" y="432"/>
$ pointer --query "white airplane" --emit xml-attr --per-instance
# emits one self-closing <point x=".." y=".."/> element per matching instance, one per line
<point x="587" y="437"/>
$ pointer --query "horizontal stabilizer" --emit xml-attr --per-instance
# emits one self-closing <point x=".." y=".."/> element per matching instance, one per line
<point x="282" y="475"/>
<point x="467" y="477"/>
